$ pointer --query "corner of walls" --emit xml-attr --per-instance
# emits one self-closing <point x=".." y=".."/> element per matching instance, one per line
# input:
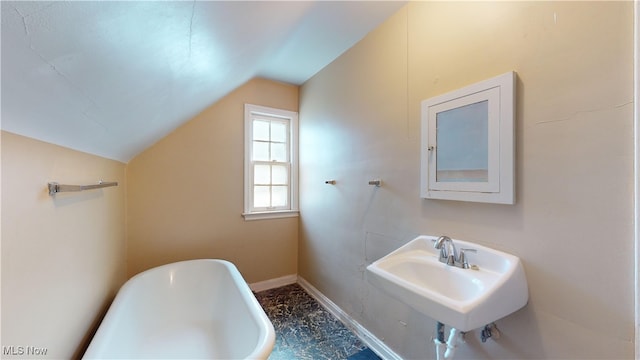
<point x="126" y="221"/>
<point x="185" y="193"/>
<point x="636" y="122"/>
<point x="0" y="232"/>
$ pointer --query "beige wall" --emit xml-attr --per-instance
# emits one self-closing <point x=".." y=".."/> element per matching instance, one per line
<point x="185" y="196"/>
<point x="62" y="256"/>
<point x="573" y="221"/>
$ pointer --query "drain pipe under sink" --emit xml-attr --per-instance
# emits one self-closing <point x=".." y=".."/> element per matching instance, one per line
<point x="446" y="350"/>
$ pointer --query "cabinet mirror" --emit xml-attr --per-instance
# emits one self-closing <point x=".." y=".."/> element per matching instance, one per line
<point x="468" y="143"/>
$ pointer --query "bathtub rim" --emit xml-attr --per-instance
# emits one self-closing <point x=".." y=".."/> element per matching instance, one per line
<point x="264" y="345"/>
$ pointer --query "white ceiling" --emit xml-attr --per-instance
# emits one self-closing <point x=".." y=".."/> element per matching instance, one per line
<point x="112" y="78"/>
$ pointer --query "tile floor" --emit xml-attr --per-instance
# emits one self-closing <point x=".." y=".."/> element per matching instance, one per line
<point x="305" y="330"/>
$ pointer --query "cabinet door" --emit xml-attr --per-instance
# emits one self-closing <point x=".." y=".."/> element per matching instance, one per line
<point x="467" y="143"/>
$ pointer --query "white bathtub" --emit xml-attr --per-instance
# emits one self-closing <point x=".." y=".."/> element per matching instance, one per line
<point x="185" y="310"/>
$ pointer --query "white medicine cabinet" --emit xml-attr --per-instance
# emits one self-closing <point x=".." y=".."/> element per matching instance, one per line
<point x="467" y="143"/>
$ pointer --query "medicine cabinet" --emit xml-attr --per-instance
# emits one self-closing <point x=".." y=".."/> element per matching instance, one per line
<point x="467" y="143"/>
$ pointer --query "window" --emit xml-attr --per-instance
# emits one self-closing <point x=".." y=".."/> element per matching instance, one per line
<point x="270" y="165"/>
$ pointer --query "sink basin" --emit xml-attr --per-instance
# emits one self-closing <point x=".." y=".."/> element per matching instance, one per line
<point x="465" y="299"/>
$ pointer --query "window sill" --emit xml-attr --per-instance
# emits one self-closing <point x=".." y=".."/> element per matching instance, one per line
<point x="270" y="215"/>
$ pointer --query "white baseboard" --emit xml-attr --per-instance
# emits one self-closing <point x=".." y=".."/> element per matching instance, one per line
<point x="274" y="283"/>
<point x="375" y="344"/>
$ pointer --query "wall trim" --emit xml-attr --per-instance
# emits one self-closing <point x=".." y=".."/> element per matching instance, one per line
<point x="375" y="344"/>
<point x="273" y="283"/>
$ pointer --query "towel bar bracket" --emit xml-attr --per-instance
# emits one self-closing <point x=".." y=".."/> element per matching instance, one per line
<point x="55" y="187"/>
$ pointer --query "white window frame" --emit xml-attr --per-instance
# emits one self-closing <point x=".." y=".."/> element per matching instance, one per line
<point x="251" y="213"/>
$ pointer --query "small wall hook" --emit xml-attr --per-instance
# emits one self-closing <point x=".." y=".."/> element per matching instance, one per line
<point x="330" y="182"/>
<point x="376" y="182"/>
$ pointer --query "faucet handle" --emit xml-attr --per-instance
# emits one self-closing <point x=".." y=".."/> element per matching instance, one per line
<point x="463" y="258"/>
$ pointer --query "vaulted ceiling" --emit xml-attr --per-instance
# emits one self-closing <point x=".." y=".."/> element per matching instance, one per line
<point x="111" y="78"/>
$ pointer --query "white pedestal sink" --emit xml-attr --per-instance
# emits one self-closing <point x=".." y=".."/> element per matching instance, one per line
<point x="465" y="299"/>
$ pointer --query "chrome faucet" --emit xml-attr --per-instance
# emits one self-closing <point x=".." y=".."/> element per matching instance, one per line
<point x="447" y="250"/>
<point x="448" y="253"/>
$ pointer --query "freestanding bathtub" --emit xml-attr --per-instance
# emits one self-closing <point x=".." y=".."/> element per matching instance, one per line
<point x="185" y="310"/>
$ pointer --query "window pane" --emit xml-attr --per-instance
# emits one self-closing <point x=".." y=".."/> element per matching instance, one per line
<point x="280" y="194"/>
<point x="260" y="151"/>
<point x="279" y="152"/>
<point x="278" y="131"/>
<point x="260" y="130"/>
<point x="261" y="196"/>
<point x="262" y="175"/>
<point x="280" y="175"/>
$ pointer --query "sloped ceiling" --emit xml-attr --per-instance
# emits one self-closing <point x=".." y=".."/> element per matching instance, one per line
<point x="111" y="78"/>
